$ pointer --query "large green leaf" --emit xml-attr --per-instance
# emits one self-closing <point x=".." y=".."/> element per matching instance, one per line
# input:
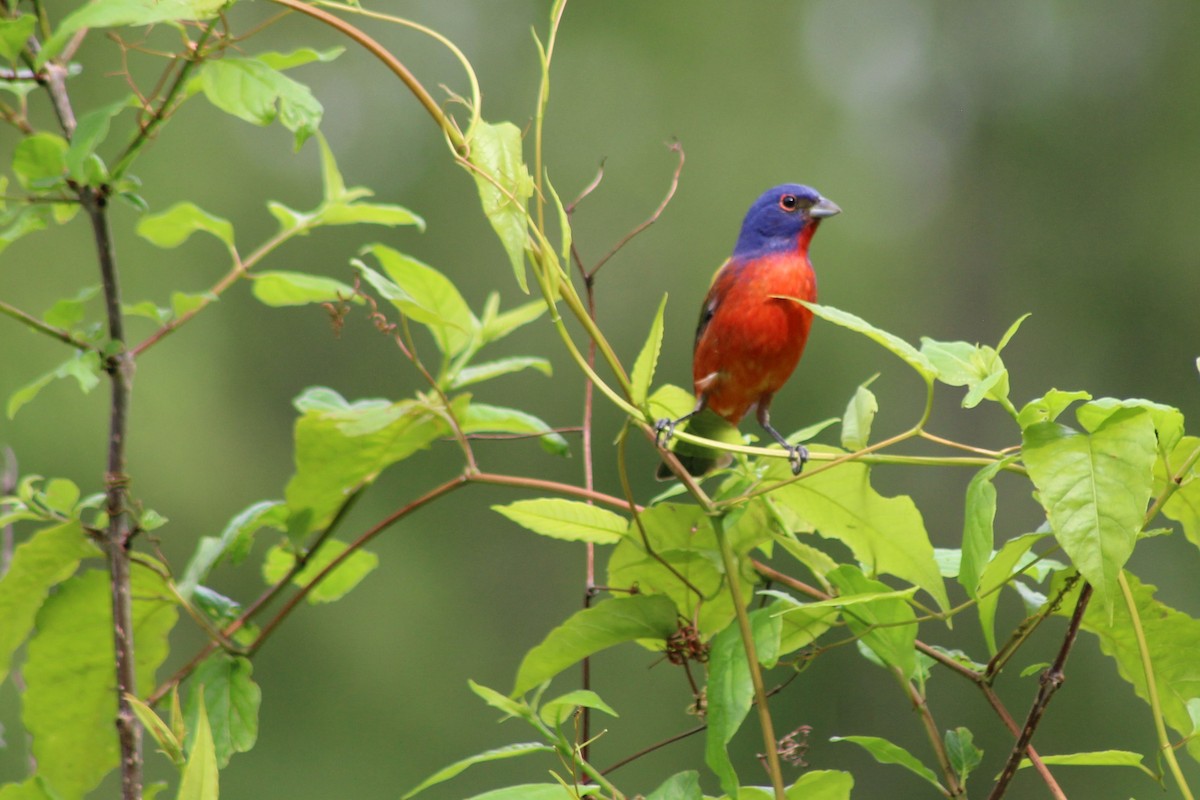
<point x="251" y="90"/>
<point x="504" y="187"/>
<point x="1096" y="758"/>
<point x="886" y="752"/>
<point x="1095" y="488"/>
<point x="886" y="534"/>
<point x="47" y="559"/>
<point x="730" y="692"/>
<point x="570" y="520"/>
<point x="40" y="161"/>
<point x="172" y="227"/>
<point x="887" y="625"/>
<point x="893" y="343"/>
<point x="230" y="700"/>
<point x="611" y="622"/>
<point x="69" y="705"/>
<point x="484" y="418"/>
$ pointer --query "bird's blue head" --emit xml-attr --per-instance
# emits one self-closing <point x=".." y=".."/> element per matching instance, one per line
<point x="783" y="218"/>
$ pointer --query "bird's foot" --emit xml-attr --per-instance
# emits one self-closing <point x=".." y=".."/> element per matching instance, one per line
<point x="797" y="457"/>
<point x="664" y="429"/>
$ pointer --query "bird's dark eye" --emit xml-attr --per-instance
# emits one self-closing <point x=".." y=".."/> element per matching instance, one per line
<point x="789" y="202"/>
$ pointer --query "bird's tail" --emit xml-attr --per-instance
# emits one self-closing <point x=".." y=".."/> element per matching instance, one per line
<point x="696" y="459"/>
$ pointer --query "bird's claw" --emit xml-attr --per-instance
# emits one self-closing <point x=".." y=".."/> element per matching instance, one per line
<point x="797" y="457"/>
<point x="664" y="429"/>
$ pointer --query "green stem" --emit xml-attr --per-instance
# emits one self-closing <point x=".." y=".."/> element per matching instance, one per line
<point x="760" y="693"/>
<point x="1164" y="742"/>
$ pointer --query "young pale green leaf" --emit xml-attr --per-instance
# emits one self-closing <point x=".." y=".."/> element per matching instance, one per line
<point x="14" y="34"/>
<point x="222" y="691"/>
<point x="184" y="304"/>
<point x="251" y="90"/>
<point x="1097" y="758"/>
<point x="500" y="753"/>
<point x="1172" y="638"/>
<point x="360" y="213"/>
<point x="978" y="367"/>
<point x="680" y="786"/>
<point x="963" y="754"/>
<point x="1012" y="331"/>
<point x="887" y="625"/>
<point x="730" y="693"/>
<point x="84" y="367"/>
<point x="608" y="623"/>
<point x="424" y="295"/>
<point x="978" y="526"/>
<point x="21" y="223"/>
<point x="569" y="520"/>
<point x="504" y="188"/>
<point x="1095" y="488"/>
<point x="647" y="359"/>
<point x="300" y="57"/>
<point x="511" y="708"/>
<point x="172" y="227"/>
<point x="340" y="449"/>
<point x="39" y="564"/>
<point x="168" y="744"/>
<point x="477" y="373"/>
<point x="1048" y="407"/>
<point x="555" y="712"/>
<point x="484" y="418"/>
<point x="333" y="586"/>
<point x="889" y="341"/>
<point x="503" y="324"/>
<point x="279" y="289"/>
<point x="40" y="161"/>
<point x="886" y="752"/>
<point x="233" y="543"/>
<point x="201" y="774"/>
<point x="119" y="13"/>
<point x="90" y="132"/>
<point x="860" y="413"/>
<point x="886" y="534"/>
<point x="1011" y="558"/>
<point x="68" y="312"/>
<point x="68" y="705"/>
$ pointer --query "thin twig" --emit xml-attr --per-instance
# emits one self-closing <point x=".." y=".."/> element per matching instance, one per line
<point x="32" y="322"/>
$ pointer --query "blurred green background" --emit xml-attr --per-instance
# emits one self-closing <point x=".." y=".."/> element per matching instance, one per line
<point x="991" y="159"/>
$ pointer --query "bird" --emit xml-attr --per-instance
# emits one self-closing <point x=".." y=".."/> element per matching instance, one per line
<point x="752" y="328"/>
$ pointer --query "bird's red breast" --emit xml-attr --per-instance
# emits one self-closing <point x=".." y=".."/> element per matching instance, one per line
<point x="751" y="335"/>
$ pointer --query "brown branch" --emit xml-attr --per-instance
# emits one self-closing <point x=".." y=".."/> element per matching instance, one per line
<point x="1051" y="680"/>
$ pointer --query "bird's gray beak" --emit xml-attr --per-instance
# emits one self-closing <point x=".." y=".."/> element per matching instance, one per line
<point x="824" y="208"/>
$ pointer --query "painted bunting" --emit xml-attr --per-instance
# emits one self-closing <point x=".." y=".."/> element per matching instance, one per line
<point x="752" y="330"/>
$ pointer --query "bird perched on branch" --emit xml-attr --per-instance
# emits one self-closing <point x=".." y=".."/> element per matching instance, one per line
<point x="752" y="328"/>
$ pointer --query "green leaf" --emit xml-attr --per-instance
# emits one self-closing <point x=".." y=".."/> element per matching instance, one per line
<point x="1172" y="638"/>
<point x="251" y="90"/>
<point x="978" y="528"/>
<point x="647" y="359"/>
<point x="333" y="586"/>
<point x="860" y="413"/>
<point x="887" y="625"/>
<point x="32" y="789"/>
<point x="498" y="754"/>
<point x="119" y="13"/>
<point x="70" y="311"/>
<point x="730" y="693"/>
<point x="978" y="367"/>
<point x="478" y="373"/>
<point x="340" y="205"/>
<point x="297" y="288"/>
<point x="183" y="304"/>
<point x="25" y="221"/>
<point x="1098" y="758"/>
<point x="91" y="130"/>
<point x="14" y="35"/>
<point x="887" y="753"/>
<point x="569" y="520"/>
<point x="886" y="534"/>
<point x="341" y="448"/>
<point x="425" y="295"/>
<point x="222" y="691"/>
<point x="1011" y="558"/>
<point x="69" y="704"/>
<point x="40" y="161"/>
<point x="538" y="791"/>
<point x="172" y="227"/>
<point x="84" y="367"/>
<point x="502" y="325"/>
<point x="555" y="712"/>
<point x="1168" y="420"/>
<point x="963" y="754"/>
<point x="897" y="346"/>
<point x="201" y="773"/>
<point x="484" y="418"/>
<point x="1012" y="331"/>
<point x="299" y="57"/>
<point x="504" y="188"/>
<point x="510" y="707"/>
<point x="680" y="786"/>
<point x="1095" y="488"/>
<point x="168" y="744"/>
<point x="1048" y="407"/>
<point x="39" y="564"/>
<point x="1184" y="505"/>
<point x="234" y="542"/>
<point x="591" y="630"/>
